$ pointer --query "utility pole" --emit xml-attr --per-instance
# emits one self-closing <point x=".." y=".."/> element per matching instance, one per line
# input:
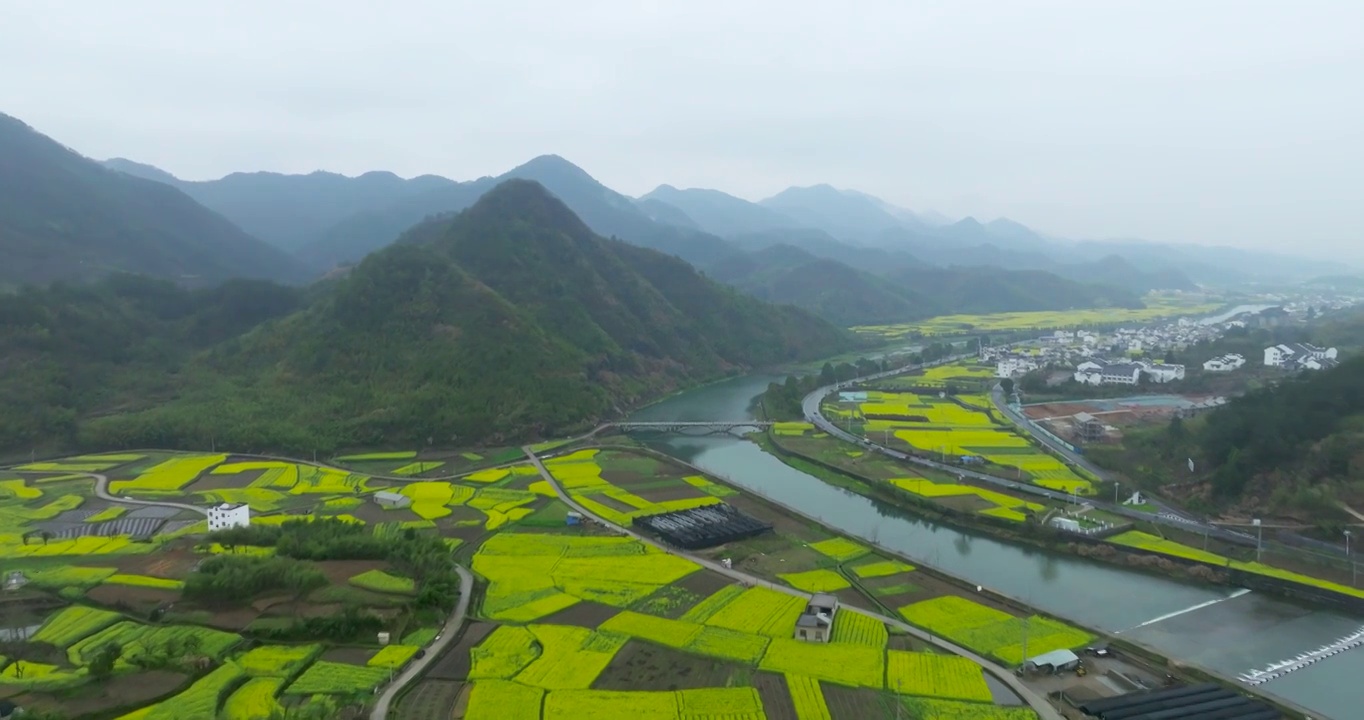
<point x="1350" y="558"/>
<point x="1259" y="538"/>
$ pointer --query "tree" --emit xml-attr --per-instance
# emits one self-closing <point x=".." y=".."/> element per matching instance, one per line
<point x="1176" y="430"/>
<point x="826" y="374"/>
<point x="1034" y="382"/>
<point x="1170" y="358"/>
<point x="1311" y="313"/>
<point x="1007" y="384"/>
<point x="103" y="663"/>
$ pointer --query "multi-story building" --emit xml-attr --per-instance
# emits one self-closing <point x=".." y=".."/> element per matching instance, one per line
<point x="228" y="515"/>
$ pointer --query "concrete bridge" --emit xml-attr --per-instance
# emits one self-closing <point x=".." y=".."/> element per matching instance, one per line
<point x="712" y="427"/>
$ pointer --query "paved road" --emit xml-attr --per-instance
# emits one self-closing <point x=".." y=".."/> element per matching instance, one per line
<point x="1035" y="701"/>
<point x="102" y="492"/>
<point x="418" y="666"/>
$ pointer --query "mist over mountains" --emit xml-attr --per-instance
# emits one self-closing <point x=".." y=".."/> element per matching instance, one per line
<point x="847" y="255"/>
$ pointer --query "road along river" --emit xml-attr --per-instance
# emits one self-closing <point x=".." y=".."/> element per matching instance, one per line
<point x="1223" y="629"/>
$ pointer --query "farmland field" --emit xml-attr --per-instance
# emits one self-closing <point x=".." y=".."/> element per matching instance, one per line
<point x="992" y="632"/>
<point x="323" y="678"/>
<point x="941" y="676"/>
<point x="1157" y="306"/>
<point x="815" y="580"/>
<point x="852" y="627"/>
<point x="761" y="611"/>
<point x="962" y="426"/>
<point x="844" y="663"/>
<point x="590" y="622"/>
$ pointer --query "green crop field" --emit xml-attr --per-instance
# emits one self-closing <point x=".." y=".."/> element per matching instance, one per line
<point x="807" y="697"/>
<point x="814" y="581"/>
<point x="942" y="676"/>
<point x="333" y="678"/>
<point x="844" y="663"/>
<point x="277" y="660"/>
<point x="992" y="632"/>
<point x="381" y="581"/>
<point x="1158" y="306"/>
<point x="75" y="622"/>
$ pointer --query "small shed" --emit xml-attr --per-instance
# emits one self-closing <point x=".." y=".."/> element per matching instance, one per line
<point x="391" y="499"/>
<point x="573" y="518"/>
<point x="15" y="580"/>
<point x="1053" y="662"/>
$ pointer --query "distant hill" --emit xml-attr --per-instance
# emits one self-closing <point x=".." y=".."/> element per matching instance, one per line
<point x="836" y="292"/>
<point x="66" y="217"/>
<point x="1336" y="282"/>
<point x="1116" y="271"/>
<point x="848" y="296"/>
<point x="606" y="211"/>
<point x="844" y="215"/>
<point x="508" y="321"/>
<point x="722" y="214"/>
<point x="975" y="290"/>
<point x="290" y="211"/>
<point x="142" y="170"/>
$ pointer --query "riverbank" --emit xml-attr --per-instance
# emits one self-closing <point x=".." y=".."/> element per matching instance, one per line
<point x="1150" y="661"/>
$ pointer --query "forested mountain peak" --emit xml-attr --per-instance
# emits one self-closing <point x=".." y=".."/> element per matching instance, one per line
<point x="64" y="216"/>
<point x="508" y="321"/>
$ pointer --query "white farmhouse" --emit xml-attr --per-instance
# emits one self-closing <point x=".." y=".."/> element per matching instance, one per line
<point x="1162" y="372"/>
<point x="1097" y="372"/>
<point x="228" y="515"/>
<point x="1011" y="367"/>
<point x="816" y="624"/>
<point x="1225" y="363"/>
<point x="1295" y="355"/>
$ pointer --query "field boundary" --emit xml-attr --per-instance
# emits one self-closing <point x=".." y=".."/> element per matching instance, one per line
<point x="1039" y="704"/>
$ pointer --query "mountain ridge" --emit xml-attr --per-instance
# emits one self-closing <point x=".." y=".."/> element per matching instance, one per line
<point x="66" y="217"/>
<point x="511" y="320"/>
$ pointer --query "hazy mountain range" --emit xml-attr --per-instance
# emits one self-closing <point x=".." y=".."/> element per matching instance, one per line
<point x="510" y="320"/>
<point x="847" y="255"/>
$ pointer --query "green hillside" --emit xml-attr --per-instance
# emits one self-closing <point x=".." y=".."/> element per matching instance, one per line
<point x="510" y="320"/>
<point x="66" y="217"/>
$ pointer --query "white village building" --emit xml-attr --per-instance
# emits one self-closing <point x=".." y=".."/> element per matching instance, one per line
<point x="1101" y="372"/>
<point x="228" y="515"/>
<point x="1225" y="363"/>
<point x="1300" y="356"/>
<point x="1163" y="372"/>
<point x="1013" y="367"/>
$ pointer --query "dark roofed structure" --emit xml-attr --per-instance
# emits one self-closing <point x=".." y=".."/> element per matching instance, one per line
<point x="1205" y="701"/>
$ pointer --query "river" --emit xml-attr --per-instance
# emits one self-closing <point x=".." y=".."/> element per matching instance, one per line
<point x="1218" y="628"/>
<point x="1229" y="314"/>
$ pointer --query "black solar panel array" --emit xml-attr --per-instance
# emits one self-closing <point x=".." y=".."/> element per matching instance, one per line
<point x="1205" y="701"/>
<point x="702" y="527"/>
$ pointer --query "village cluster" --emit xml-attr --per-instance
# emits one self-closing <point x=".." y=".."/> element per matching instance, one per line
<point x="1119" y="357"/>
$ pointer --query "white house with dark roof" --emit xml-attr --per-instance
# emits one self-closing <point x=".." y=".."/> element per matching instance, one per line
<point x="1293" y="356"/>
<point x="1224" y="363"/>
<point x="816" y="624"/>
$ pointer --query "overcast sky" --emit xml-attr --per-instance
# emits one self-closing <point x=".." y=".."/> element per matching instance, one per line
<point x="1238" y="122"/>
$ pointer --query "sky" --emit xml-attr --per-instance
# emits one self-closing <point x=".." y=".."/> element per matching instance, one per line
<point x="1230" y="123"/>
